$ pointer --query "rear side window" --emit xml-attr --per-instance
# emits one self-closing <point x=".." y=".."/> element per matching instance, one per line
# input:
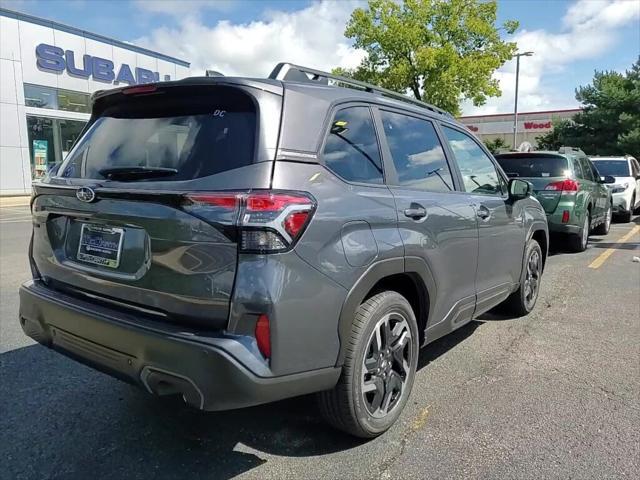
<point x="479" y="174"/>
<point x="533" y="166"/>
<point x="352" y="149"/>
<point x="194" y="133"/>
<point x="417" y="153"/>
<point x="586" y="169"/>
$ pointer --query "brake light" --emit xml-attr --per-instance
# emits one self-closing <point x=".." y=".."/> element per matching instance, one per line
<point x="263" y="335"/>
<point x="139" y="89"/>
<point x="269" y="221"/>
<point x="567" y="185"/>
<point x="565" y="216"/>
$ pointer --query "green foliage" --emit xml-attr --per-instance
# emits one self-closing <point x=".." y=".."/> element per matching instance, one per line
<point x="496" y="146"/>
<point x="443" y="51"/>
<point x="610" y="121"/>
<point x="554" y="139"/>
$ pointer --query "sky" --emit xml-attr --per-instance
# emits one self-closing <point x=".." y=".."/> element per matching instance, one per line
<point x="570" y="38"/>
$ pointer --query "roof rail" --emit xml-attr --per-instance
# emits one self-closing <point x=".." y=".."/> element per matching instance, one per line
<point x="297" y="73"/>
<point x="566" y="149"/>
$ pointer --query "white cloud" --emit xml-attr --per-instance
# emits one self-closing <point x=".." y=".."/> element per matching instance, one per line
<point x="590" y="30"/>
<point x="312" y="36"/>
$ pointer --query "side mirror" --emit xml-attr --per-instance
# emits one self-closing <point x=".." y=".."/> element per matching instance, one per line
<point x="519" y="189"/>
<point x="607" y="179"/>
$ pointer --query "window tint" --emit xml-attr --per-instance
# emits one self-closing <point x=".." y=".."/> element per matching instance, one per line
<point x="586" y="169"/>
<point x="417" y="153"/>
<point x="186" y="132"/>
<point x="478" y="172"/>
<point x="532" y="165"/>
<point x="577" y="169"/>
<point x="616" y="168"/>
<point x="352" y="150"/>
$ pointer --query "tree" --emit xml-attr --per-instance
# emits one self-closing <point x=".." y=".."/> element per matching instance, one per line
<point x="443" y="51"/>
<point x="496" y="146"/>
<point x="609" y="123"/>
<point x="553" y="139"/>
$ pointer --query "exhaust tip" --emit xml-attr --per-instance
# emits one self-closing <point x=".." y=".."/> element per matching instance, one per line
<point x="161" y="382"/>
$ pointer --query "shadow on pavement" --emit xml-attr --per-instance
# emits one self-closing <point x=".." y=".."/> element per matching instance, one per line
<point x="61" y="419"/>
<point x="64" y="420"/>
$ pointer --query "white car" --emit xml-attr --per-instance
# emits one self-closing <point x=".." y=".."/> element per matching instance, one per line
<point x="626" y="189"/>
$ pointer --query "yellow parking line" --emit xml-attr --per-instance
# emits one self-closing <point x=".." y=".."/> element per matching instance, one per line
<point x="609" y="251"/>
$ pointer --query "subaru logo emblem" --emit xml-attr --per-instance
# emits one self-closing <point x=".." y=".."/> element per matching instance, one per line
<point x="86" y="194"/>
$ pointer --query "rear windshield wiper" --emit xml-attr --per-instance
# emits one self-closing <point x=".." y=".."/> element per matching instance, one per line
<point x="135" y="173"/>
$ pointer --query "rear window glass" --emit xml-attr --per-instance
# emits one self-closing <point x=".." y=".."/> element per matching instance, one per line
<point x="194" y="133"/>
<point x="533" y="166"/>
<point x="615" y="168"/>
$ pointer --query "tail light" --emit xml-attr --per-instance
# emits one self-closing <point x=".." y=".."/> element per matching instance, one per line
<point x="566" y="186"/>
<point x="263" y="335"/>
<point x="269" y="221"/>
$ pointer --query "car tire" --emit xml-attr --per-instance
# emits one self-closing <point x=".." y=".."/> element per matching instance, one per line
<point x="634" y="209"/>
<point x="375" y="384"/>
<point x="522" y="301"/>
<point x="625" y="217"/>
<point x="604" y="227"/>
<point x="578" y="242"/>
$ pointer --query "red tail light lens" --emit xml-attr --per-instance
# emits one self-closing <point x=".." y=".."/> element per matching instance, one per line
<point x="565" y="216"/>
<point x="263" y="335"/>
<point x="139" y="89"/>
<point x="269" y="221"/>
<point x="567" y="185"/>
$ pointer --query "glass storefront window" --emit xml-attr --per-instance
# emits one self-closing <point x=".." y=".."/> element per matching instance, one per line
<point x="40" y="97"/>
<point x="41" y="145"/>
<point x="73" y="101"/>
<point x="56" y="99"/>
<point x="50" y="140"/>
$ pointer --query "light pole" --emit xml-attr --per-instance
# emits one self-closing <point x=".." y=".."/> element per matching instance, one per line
<point x="515" y="108"/>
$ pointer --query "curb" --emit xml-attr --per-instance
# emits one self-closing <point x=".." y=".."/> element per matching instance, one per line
<point x="20" y="201"/>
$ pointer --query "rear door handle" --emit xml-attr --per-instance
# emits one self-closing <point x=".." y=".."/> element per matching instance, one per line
<point x="415" y="211"/>
<point x="483" y="212"/>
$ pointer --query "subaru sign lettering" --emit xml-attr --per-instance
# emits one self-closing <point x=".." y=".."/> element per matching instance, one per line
<point x="54" y="59"/>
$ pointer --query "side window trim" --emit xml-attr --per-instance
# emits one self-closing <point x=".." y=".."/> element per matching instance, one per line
<point x="496" y="166"/>
<point x="335" y="108"/>
<point x="391" y="178"/>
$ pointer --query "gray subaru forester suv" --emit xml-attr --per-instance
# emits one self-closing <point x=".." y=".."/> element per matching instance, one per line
<point x="237" y="241"/>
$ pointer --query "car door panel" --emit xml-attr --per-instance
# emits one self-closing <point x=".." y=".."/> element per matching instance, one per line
<point x="437" y="224"/>
<point x="501" y="226"/>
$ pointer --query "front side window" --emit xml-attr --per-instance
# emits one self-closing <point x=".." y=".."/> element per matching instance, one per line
<point x="479" y="175"/>
<point x="351" y="151"/>
<point x="417" y="153"/>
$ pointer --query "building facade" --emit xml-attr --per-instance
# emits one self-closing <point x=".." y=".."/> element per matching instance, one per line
<point x="530" y="125"/>
<point x="47" y="73"/>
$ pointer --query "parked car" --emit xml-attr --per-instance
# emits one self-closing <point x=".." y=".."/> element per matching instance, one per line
<point x="569" y="188"/>
<point x="237" y="241"/>
<point x="625" y="190"/>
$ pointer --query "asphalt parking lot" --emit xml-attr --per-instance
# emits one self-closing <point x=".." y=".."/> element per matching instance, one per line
<point x="552" y="395"/>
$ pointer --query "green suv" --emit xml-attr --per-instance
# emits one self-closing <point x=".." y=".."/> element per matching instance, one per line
<point x="570" y="189"/>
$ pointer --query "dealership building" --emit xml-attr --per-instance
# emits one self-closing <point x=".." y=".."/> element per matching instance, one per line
<point x="47" y="73"/>
<point x="530" y="125"/>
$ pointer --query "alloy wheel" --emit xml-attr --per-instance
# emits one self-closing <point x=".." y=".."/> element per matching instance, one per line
<point x="386" y="364"/>
<point x="532" y="278"/>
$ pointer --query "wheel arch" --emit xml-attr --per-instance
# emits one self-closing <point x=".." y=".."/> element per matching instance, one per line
<point x="410" y="277"/>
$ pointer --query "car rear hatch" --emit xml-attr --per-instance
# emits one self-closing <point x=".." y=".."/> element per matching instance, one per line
<point x="119" y="224"/>
<point x="548" y="173"/>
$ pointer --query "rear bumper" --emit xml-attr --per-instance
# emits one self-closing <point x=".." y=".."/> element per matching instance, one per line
<point x="210" y="372"/>
<point x="556" y="226"/>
